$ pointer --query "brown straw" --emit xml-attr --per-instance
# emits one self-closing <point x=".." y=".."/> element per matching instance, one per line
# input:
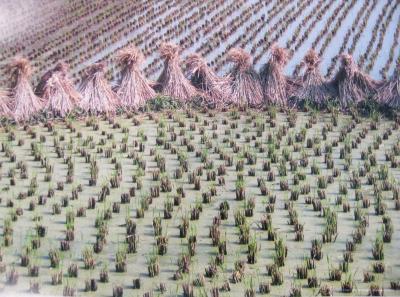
<point x="97" y="95"/>
<point x="134" y="89"/>
<point x="172" y="80"/>
<point x="352" y="85"/>
<point x="25" y="104"/>
<point x="276" y="87"/>
<point x="216" y="90"/>
<point x="313" y="86"/>
<point x="389" y="92"/>
<point x="245" y="82"/>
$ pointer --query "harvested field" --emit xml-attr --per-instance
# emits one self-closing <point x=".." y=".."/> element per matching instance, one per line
<point x="85" y="32"/>
<point x="154" y="200"/>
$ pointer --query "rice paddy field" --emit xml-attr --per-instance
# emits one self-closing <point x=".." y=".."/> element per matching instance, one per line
<point x="199" y="148"/>
<point x="84" y="32"/>
<point x="190" y="203"/>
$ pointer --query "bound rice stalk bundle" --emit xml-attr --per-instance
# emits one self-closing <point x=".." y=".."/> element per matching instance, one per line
<point x="215" y="90"/>
<point x="276" y="87"/>
<point x="245" y="81"/>
<point x="313" y="86"/>
<point x="59" y="93"/>
<point x="5" y="110"/>
<point x="389" y="92"/>
<point x="134" y="89"/>
<point x="97" y="95"/>
<point x="172" y="81"/>
<point x="351" y="84"/>
<point x="40" y="88"/>
<point x="25" y="104"/>
<point x="68" y="85"/>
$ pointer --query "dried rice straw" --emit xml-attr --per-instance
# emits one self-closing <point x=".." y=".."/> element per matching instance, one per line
<point x="134" y="89"/>
<point x="97" y="95"/>
<point x="60" y="95"/>
<point x="352" y="85"/>
<point x="313" y="86"/>
<point x="389" y="92"/>
<point x="5" y="110"/>
<point x="276" y="87"/>
<point x="216" y="90"/>
<point x="25" y="104"/>
<point x="172" y="80"/>
<point x="245" y="82"/>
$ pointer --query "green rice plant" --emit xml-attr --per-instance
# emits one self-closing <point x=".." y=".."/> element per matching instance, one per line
<point x="252" y="250"/>
<point x="240" y="190"/>
<point x="377" y="249"/>
<point x="240" y="217"/>
<point x="55" y="258"/>
<point x="312" y="280"/>
<point x="380" y="206"/>
<point x="120" y="259"/>
<point x="315" y="169"/>
<point x="277" y="278"/>
<point x="238" y="272"/>
<point x="153" y="265"/>
<point x="375" y="290"/>
<point x="192" y="240"/>
<point x="335" y="274"/>
<point x="383" y="172"/>
<point x="348" y="284"/>
<point x="322" y="182"/>
<point x="249" y="205"/>
<point x="295" y="291"/>
<point x="88" y="258"/>
<point x="330" y="230"/>
<point x="302" y="271"/>
<point x="104" y="274"/>
<point x="70" y="217"/>
<point x="281" y="251"/>
<point x="244" y="233"/>
<point x="316" y="249"/>
<point x="249" y="287"/>
<point x="184" y="226"/>
<point x="157" y="226"/>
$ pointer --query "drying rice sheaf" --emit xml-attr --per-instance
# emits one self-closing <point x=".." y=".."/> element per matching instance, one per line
<point x="97" y="95"/>
<point x="5" y="110"/>
<point x="172" y="81"/>
<point x="245" y="81"/>
<point x="134" y="89"/>
<point x="313" y="86"/>
<point x="215" y="89"/>
<point x="276" y="88"/>
<point x="25" y="104"/>
<point x="352" y="85"/>
<point x="389" y="92"/>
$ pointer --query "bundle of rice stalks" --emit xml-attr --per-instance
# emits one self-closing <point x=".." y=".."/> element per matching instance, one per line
<point x="5" y="110"/>
<point x="245" y="82"/>
<point x="59" y="94"/>
<point x="25" y="104"/>
<point x="276" y="87"/>
<point x="97" y="95"/>
<point x="313" y="86"/>
<point x="134" y="89"/>
<point x="40" y="88"/>
<point x="172" y="81"/>
<point x="215" y="90"/>
<point x="389" y="92"/>
<point x="351" y="84"/>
